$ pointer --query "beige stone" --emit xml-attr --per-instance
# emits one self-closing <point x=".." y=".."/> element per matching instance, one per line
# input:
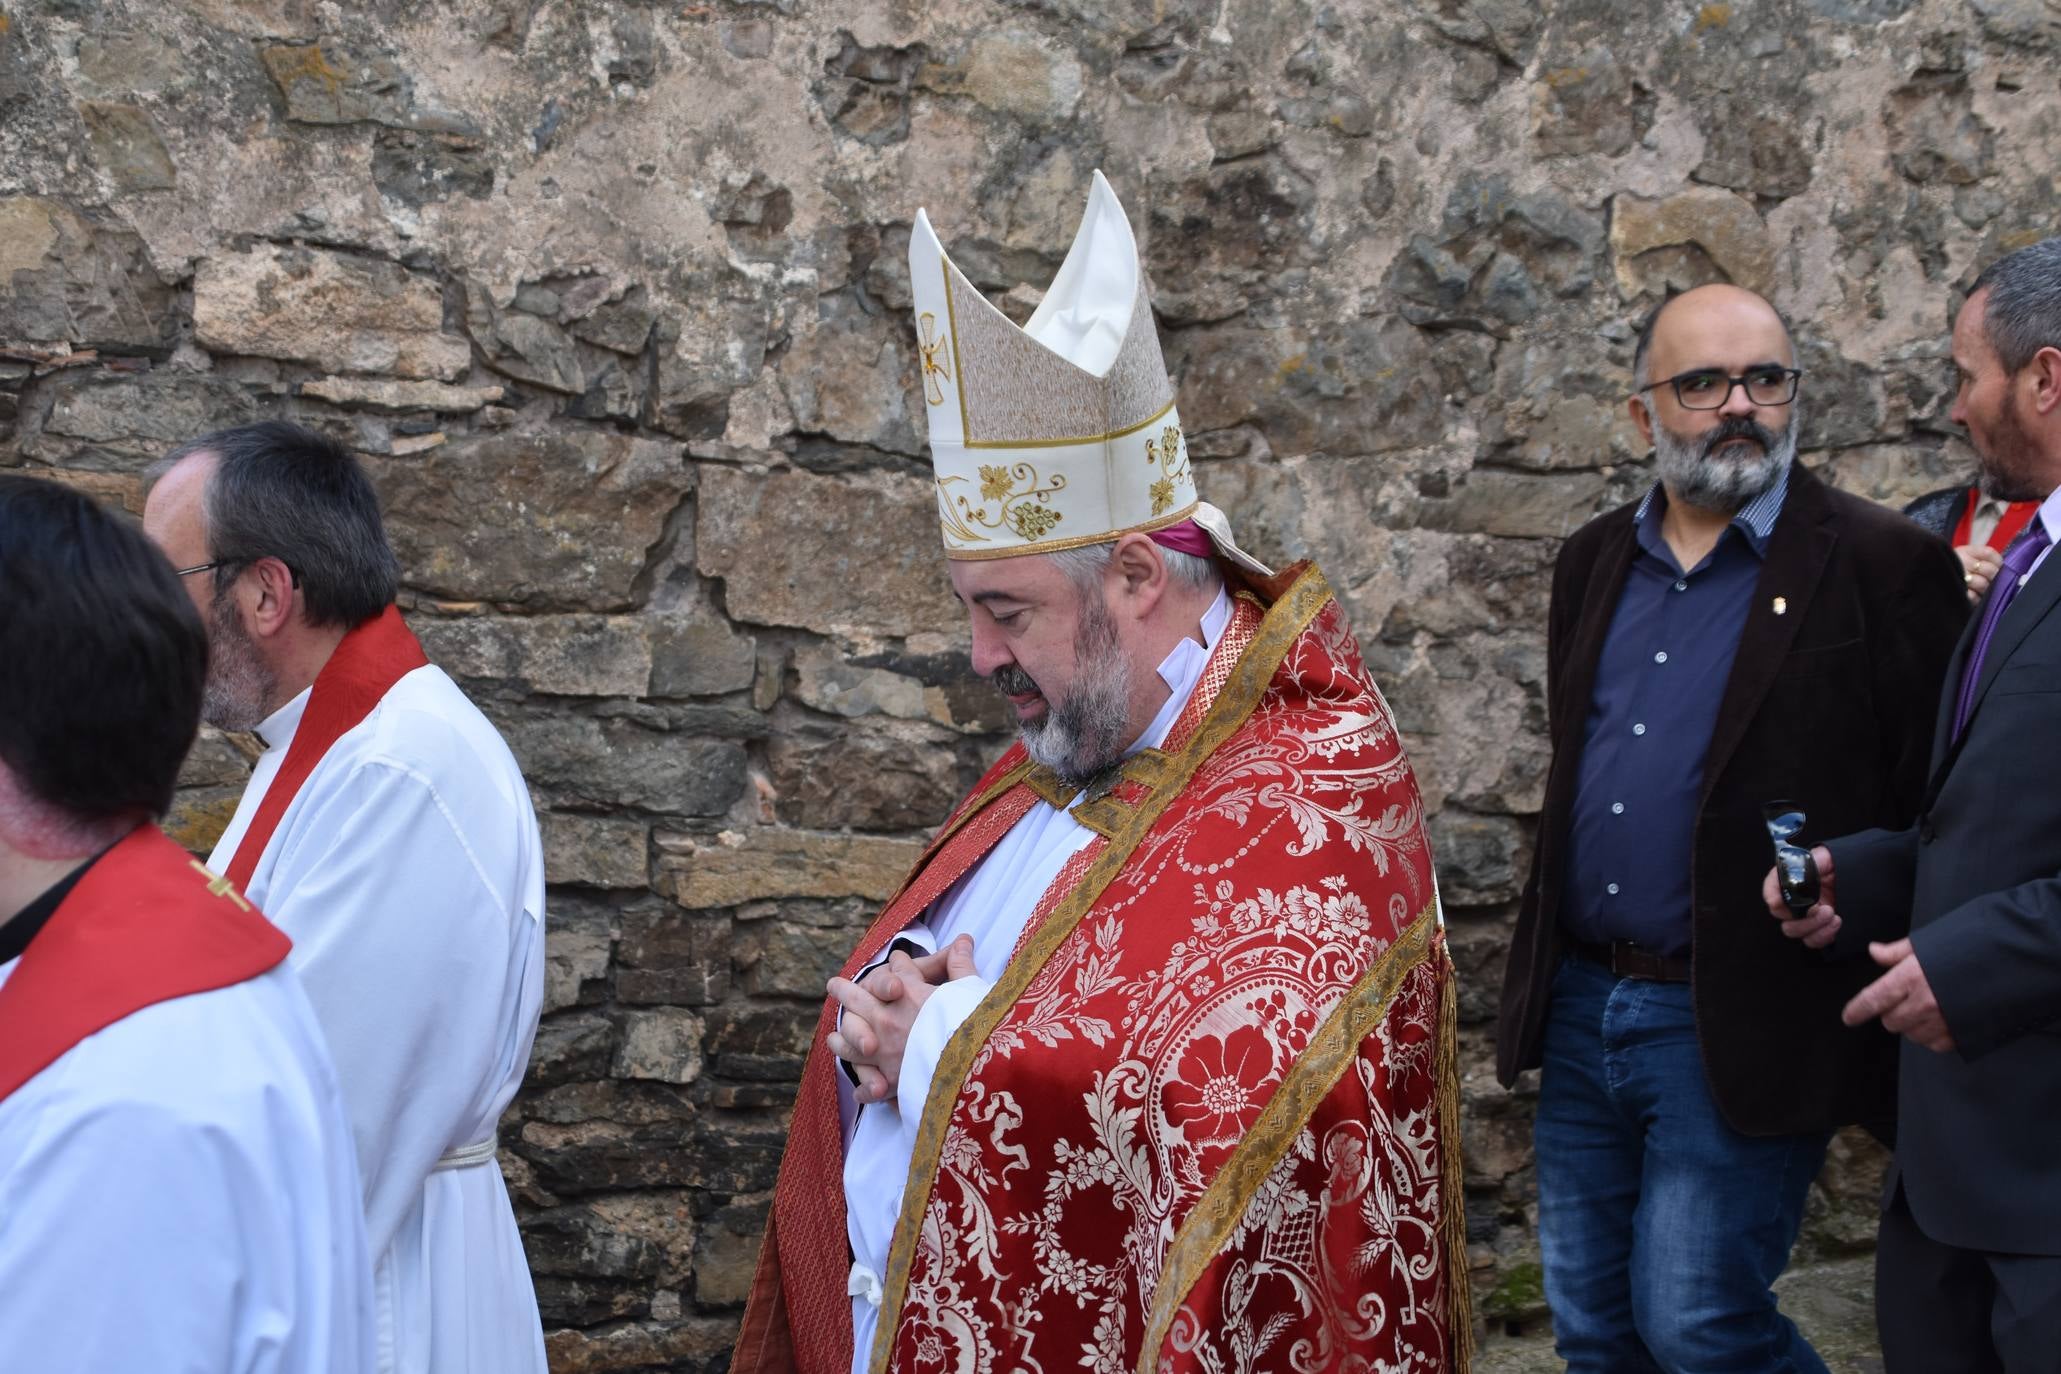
<point x="565" y="655"/>
<point x="826" y="553"/>
<point x="1725" y="226"/>
<point x="733" y="868"/>
<point x="127" y="146"/>
<point x="381" y="394"/>
<point x="662" y="1045"/>
<point x="335" y="310"/>
<point x="594" y="851"/>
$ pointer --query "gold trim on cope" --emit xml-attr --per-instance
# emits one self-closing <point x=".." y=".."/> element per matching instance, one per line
<point x="1216" y="1214"/>
<point x="1244" y="684"/>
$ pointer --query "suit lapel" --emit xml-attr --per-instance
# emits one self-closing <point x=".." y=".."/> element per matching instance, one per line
<point x="2035" y="600"/>
<point x="1799" y="546"/>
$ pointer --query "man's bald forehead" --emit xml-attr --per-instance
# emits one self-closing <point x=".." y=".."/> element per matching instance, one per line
<point x="1708" y="295"/>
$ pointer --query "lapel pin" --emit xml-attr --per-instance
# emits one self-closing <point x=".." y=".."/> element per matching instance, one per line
<point x="1781" y="605"/>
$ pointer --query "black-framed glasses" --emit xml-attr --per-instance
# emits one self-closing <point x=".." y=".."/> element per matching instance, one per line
<point x="1708" y="388"/>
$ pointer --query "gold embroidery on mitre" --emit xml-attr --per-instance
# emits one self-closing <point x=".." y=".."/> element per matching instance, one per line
<point x="1011" y="498"/>
<point x="1165" y="452"/>
<point x="218" y="886"/>
<point x="932" y="346"/>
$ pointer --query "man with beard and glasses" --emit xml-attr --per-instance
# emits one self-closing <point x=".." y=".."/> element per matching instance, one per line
<point x="1741" y="634"/>
<point x="1961" y="911"/>
<point x="1158" y="1070"/>
<point x="387" y="829"/>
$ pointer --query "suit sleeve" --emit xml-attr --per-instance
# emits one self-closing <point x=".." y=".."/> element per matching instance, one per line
<point x="1994" y="965"/>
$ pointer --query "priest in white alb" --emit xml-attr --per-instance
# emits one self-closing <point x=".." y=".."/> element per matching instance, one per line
<point x="387" y="830"/>
<point x="178" y="1190"/>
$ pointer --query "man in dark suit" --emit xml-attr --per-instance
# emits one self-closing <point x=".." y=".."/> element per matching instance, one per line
<point x="1968" y="1268"/>
<point x="1712" y="647"/>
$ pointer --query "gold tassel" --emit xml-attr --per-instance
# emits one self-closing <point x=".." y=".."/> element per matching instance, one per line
<point x="1452" y="1176"/>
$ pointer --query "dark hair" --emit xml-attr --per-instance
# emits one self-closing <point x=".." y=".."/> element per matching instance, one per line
<point x="1652" y="321"/>
<point x="103" y="657"/>
<point x="281" y="491"/>
<point x="2023" y="312"/>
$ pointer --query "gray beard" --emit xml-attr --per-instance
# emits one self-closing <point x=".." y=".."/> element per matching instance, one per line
<point x="1080" y="737"/>
<point x="239" y="685"/>
<point x="1692" y="474"/>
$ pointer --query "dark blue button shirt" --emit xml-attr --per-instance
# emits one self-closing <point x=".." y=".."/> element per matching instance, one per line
<point x="1658" y="685"/>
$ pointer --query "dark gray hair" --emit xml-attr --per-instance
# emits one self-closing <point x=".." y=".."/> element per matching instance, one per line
<point x="1084" y="566"/>
<point x="2023" y="313"/>
<point x="281" y="491"/>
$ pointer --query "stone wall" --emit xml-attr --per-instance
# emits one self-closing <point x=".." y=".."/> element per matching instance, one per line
<point x="611" y="295"/>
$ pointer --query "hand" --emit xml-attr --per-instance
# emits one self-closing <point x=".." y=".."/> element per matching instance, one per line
<point x="1902" y="998"/>
<point x="1820" y="925"/>
<point x="878" y="1014"/>
<point x="1979" y="566"/>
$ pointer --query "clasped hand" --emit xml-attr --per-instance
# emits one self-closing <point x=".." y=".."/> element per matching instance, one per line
<point x="1901" y="997"/>
<point x="880" y="1009"/>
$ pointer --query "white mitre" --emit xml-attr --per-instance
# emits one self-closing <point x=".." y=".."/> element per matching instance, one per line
<point x="1061" y="433"/>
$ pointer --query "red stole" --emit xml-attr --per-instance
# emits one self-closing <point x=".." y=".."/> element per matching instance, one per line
<point x="145" y="924"/>
<point x="2016" y="515"/>
<point x="367" y="663"/>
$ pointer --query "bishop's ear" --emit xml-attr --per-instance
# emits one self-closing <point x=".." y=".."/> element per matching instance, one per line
<point x="1139" y="568"/>
<point x="2045" y="368"/>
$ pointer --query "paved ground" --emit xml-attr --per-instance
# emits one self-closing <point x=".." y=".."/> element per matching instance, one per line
<point x="1834" y="1304"/>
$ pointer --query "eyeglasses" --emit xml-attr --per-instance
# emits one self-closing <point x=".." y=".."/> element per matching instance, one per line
<point x="1708" y="388"/>
<point x="291" y="571"/>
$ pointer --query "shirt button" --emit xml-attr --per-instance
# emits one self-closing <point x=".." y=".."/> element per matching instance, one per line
<point x="1681" y="586"/>
<point x="1660" y="657"/>
<point x="1638" y="729"/>
<point x="1612" y="889"/>
<point x="1617" y="808"/>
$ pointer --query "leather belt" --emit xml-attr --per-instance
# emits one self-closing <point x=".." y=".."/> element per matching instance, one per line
<point x="1627" y="960"/>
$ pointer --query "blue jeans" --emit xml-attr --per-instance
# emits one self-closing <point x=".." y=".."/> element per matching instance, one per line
<point x="1661" y="1226"/>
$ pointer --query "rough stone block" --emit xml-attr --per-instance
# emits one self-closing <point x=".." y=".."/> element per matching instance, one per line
<point x="64" y="280"/>
<point x="826" y="553"/>
<point x="673" y="957"/>
<point x="564" y="655"/>
<point x="591" y="763"/>
<point x="736" y="867"/>
<point x="662" y="1045"/>
<point x="558" y="521"/>
<point x="697" y="654"/>
<point x="862" y="781"/>
<point x="579" y="938"/>
<point x="592" y="851"/>
<point x="127" y="146"/>
<point x="380" y="394"/>
<point x="1726" y="231"/>
<point x="338" y="311"/>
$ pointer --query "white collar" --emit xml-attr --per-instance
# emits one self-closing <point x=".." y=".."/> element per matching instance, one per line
<point x="2050" y="515"/>
<point x="1181" y="669"/>
<point x="277" y="729"/>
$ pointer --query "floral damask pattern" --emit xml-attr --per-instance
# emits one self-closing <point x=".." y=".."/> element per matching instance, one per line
<point x="1140" y="1060"/>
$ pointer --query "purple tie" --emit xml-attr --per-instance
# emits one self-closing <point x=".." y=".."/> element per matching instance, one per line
<point x="2018" y="561"/>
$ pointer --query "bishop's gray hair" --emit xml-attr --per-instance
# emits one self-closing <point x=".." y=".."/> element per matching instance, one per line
<point x="2023" y="313"/>
<point x="1084" y="567"/>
